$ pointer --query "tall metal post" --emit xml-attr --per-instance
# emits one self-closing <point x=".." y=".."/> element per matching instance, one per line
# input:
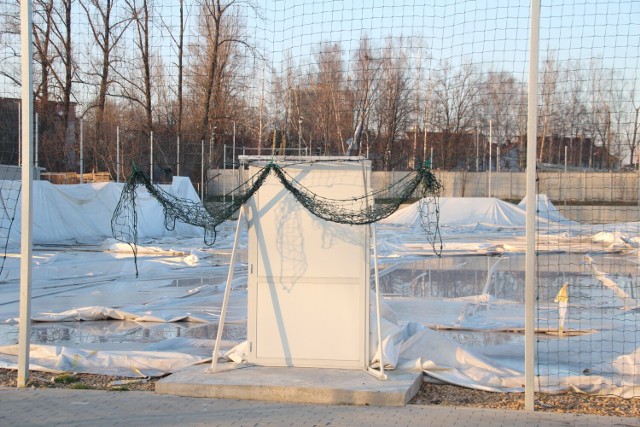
<point x="151" y="156"/>
<point x="35" y="142"/>
<point x="117" y="153"/>
<point x="477" y="150"/>
<point x="300" y="136"/>
<point x="490" y="149"/>
<point x="24" y="329"/>
<point x="81" y="151"/>
<point x="178" y="156"/>
<point x="202" y="171"/>
<point x="530" y="259"/>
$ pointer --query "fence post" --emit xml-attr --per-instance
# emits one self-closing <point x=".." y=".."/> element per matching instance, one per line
<point x="24" y="328"/>
<point x="532" y="142"/>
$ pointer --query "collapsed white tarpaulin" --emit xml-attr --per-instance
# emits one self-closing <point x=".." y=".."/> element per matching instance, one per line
<point x="50" y="358"/>
<point x="82" y="213"/>
<point x="106" y="313"/>
<point x="464" y="211"/>
<point x="87" y="286"/>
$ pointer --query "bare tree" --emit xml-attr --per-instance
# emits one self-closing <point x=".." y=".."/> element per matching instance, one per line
<point x="454" y="103"/>
<point x="107" y="30"/>
<point x="365" y="89"/>
<point x="550" y="103"/>
<point x="633" y="130"/>
<point x="64" y="80"/>
<point x="331" y="101"/>
<point x="219" y="66"/>
<point x="10" y="41"/>
<point x="394" y="106"/>
<point x="141" y="83"/>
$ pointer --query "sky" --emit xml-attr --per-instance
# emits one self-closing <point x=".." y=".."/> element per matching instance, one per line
<point x="491" y="34"/>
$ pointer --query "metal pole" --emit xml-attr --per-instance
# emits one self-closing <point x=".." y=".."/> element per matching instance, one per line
<point x="151" y="157"/>
<point x="24" y="328"/>
<point x="202" y="172"/>
<point x="372" y="233"/>
<point x="178" y="157"/>
<point x="81" y="151"/>
<point x="532" y="139"/>
<point x="300" y="136"/>
<point x="233" y="152"/>
<point x="117" y="153"/>
<point x="20" y="134"/>
<point x="36" y="141"/>
<point x="490" y="149"/>
<point x="477" y="151"/>
<point x="227" y="291"/>
<point x="431" y="159"/>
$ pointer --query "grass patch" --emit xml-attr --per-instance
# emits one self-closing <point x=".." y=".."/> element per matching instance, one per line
<point x="66" y="378"/>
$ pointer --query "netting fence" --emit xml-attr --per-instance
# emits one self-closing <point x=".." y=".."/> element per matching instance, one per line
<point x="180" y="88"/>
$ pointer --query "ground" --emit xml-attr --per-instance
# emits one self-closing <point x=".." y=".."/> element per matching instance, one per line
<point x="429" y="394"/>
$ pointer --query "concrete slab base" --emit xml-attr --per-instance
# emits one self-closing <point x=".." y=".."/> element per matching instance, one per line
<point x="301" y="385"/>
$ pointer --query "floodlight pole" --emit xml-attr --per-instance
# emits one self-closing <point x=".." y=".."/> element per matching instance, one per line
<point x="24" y="330"/>
<point x="532" y="142"/>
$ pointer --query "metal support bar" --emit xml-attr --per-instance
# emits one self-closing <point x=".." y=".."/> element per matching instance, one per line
<point x="227" y="291"/>
<point x="372" y="233"/>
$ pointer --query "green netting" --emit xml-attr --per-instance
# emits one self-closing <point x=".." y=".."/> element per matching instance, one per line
<point x="365" y="209"/>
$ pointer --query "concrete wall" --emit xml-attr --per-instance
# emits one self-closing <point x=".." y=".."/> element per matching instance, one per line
<point x="582" y="196"/>
<point x="14" y="173"/>
<point x="558" y="186"/>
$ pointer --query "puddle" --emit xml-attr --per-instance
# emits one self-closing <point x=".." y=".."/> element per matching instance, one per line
<point x="118" y="335"/>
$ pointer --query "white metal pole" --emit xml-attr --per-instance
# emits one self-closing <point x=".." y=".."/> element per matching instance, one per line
<point x="81" y="151"/>
<point x="20" y="134"/>
<point x="372" y="233"/>
<point x="490" y="149"/>
<point x="477" y="150"/>
<point x="202" y="171"/>
<point x="227" y="291"/>
<point x="178" y="157"/>
<point x="117" y="153"/>
<point x="24" y="329"/>
<point x="431" y="159"/>
<point x="233" y="160"/>
<point x="35" y="143"/>
<point x="151" y="156"/>
<point x="532" y="141"/>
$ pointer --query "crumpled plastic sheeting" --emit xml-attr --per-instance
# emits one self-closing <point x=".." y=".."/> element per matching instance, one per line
<point x="106" y="313"/>
<point x="141" y="364"/>
<point x="82" y="213"/>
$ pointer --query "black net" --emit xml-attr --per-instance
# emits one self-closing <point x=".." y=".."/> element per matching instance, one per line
<point x="367" y="208"/>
